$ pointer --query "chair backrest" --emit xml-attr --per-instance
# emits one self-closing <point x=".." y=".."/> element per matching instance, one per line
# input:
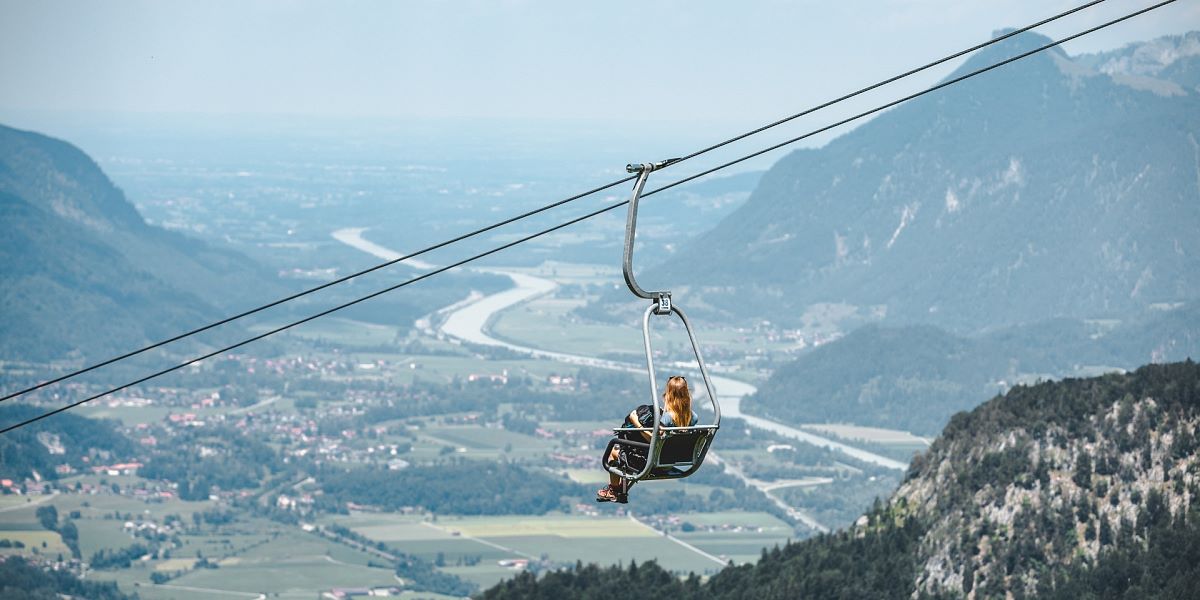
<point x="680" y="454"/>
<point x="678" y="449"/>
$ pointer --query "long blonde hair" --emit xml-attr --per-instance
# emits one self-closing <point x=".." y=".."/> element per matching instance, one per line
<point x="678" y="401"/>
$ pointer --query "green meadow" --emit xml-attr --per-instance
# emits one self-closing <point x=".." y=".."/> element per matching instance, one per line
<point x="566" y="538"/>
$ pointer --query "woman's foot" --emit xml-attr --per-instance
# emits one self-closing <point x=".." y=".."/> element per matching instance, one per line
<point x="610" y="494"/>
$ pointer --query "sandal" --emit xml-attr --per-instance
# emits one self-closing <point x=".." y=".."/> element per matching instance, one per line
<point x="608" y="494"/>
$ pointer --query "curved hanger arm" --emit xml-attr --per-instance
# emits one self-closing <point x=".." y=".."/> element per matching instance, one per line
<point x="643" y="170"/>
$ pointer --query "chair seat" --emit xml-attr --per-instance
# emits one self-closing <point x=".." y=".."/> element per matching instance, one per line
<point x="679" y="452"/>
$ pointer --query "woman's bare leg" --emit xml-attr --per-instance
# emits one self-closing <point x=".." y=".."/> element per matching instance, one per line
<point x="614" y="481"/>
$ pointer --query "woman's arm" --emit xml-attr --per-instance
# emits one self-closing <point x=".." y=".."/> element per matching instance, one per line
<point x="633" y="418"/>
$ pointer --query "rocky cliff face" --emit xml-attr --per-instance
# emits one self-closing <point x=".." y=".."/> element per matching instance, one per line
<point x="1050" y="476"/>
<point x="1174" y="59"/>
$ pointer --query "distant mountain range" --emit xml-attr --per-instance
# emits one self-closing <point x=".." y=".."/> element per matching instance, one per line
<point x="1052" y="187"/>
<point x="915" y="377"/>
<point x="1083" y="488"/>
<point x="1174" y="59"/>
<point x="84" y="275"/>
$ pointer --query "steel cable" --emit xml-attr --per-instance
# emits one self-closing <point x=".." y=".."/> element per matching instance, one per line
<point x="556" y="204"/>
<point x="582" y="218"/>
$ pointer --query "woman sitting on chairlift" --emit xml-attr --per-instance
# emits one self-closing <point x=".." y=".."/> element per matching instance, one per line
<point x="677" y="412"/>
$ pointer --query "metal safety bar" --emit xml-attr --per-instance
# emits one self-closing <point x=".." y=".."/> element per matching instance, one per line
<point x="687" y="325"/>
<point x="673" y="429"/>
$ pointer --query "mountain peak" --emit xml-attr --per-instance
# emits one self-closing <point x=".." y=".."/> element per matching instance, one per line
<point x="1040" y="189"/>
<point x="1016" y="45"/>
<point x="1030" y="39"/>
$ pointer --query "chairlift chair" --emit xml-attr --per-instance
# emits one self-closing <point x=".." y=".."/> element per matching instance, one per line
<point x="671" y="452"/>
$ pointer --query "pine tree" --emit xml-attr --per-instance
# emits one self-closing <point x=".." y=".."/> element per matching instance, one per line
<point x="1083" y="471"/>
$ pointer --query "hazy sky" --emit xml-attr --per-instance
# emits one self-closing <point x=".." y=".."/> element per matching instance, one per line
<point x="612" y="59"/>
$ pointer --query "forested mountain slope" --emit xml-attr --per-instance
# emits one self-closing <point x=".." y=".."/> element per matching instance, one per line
<point x="84" y="272"/>
<point x="67" y="294"/>
<point x="1080" y="488"/>
<point x="915" y="377"/>
<point x="63" y="181"/>
<point x="1043" y="189"/>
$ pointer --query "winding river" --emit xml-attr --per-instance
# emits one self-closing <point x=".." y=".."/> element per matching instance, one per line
<point x="467" y="321"/>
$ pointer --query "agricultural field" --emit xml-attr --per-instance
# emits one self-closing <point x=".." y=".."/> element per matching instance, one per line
<point x="32" y="542"/>
<point x="455" y="542"/>
<point x="737" y="536"/>
<point x="127" y="415"/>
<point x="19" y="523"/>
<point x="252" y="556"/>
<point x="892" y="443"/>
<point x="277" y="561"/>
<point x="592" y="476"/>
<point x="548" y="323"/>
<point x="12" y="502"/>
<point x="292" y="564"/>
<point x="338" y="330"/>
<point x="485" y="442"/>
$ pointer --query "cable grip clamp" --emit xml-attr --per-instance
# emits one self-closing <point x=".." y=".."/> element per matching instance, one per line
<point x="662" y="303"/>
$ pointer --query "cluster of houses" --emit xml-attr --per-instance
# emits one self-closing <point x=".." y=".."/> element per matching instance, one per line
<point x="149" y="528"/>
<point x="300" y="503"/>
<point x="575" y="460"/>
<point x="63" y="563"/>
<point x="293" y="364"/>
<point x="489" y="377"/>
<point x="360" y="592"/>
<point x="186" y="419"/>
<point x="114" y="470"/>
